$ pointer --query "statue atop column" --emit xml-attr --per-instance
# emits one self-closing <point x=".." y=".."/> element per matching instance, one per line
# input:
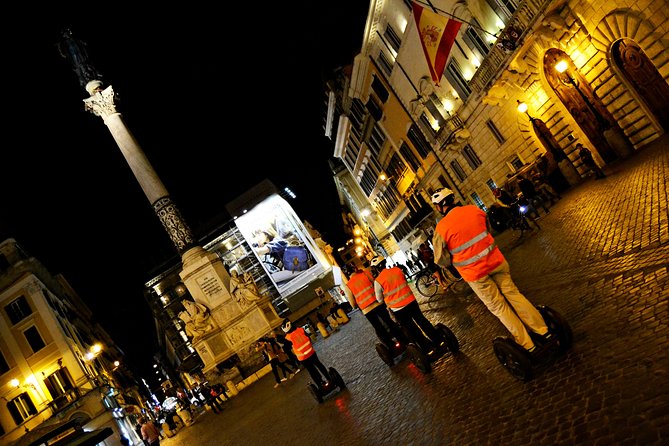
<point x="74" y="50"/>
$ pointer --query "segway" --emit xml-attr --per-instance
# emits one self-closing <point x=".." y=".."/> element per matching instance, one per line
<point x="416" y="355"/>
<point x="335" y="383"/>
<point x="519" y="362"/>
<point x="390" y="354"/>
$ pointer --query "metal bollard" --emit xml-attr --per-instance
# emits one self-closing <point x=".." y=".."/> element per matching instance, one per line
<point x="342" y="315"/>
<point x="322" y="329"/>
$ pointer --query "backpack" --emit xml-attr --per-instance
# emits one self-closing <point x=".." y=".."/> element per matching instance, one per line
<point x="296" y="258"/>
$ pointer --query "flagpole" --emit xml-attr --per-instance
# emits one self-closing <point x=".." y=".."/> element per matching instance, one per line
<point x="441" y="11"/>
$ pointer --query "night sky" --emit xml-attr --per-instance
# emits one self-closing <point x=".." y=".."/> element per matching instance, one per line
<point x="211" y="95"/>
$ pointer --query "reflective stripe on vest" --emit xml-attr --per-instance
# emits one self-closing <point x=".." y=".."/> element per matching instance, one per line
<point x="400" y="294"/>
<point x="469" y="243"/>
<point x="363" y="290"/>
<point x="476" y="257"/>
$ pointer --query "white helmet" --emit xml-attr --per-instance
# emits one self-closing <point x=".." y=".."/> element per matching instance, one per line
<point x="376" y="260"/>
<point x="441" y="194"/>
<point x="286" y="325"/>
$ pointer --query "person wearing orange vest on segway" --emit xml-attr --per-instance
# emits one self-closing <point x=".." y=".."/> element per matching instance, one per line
<point x="305" y="352"/>
<point x="392" y="288"/>
<point x="360" y="293"/>
<point x="462" y="238"/>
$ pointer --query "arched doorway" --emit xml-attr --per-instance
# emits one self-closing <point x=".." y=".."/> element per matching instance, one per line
<point x="581" y="101"/>
<point x="642" y="75"/>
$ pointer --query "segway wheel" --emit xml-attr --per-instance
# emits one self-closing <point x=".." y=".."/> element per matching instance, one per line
<point x="336" y="378"/>
<point x="316" y="392"/>
<point x="385" y="354"/>
<point x="418" y="358"/>
<point x="449" y="337"/>
<point x="514" y="358"/>
<point x="558" y="326"/>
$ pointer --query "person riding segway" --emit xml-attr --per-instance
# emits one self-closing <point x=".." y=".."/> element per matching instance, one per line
<point x="463" y="238"/>
<point x="326" y="380"/>
<point x="427" y="341"/>
<point x="359" y="290"/>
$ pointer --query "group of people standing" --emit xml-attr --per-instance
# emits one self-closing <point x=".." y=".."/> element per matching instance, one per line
<point x="278" y="352"/>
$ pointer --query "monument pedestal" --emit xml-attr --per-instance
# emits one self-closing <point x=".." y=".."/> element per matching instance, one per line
<point x="238" y="323"/>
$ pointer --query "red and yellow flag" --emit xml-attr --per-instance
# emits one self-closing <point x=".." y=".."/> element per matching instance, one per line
<point x="437" y="34"/>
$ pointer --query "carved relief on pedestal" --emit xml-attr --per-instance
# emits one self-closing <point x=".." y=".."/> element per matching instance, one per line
<point x="247" y="330"/>
<point x="238" y="334"/>
<point x="226" y="312"/>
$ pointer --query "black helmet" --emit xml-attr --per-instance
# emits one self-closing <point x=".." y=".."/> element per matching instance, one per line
<point x="286" y="325"/>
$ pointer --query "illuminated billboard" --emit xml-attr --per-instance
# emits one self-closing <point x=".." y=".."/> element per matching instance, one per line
<point x="282" y="244"/>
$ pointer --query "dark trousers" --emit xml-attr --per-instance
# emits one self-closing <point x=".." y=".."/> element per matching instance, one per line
<point x="276" y="365"/>
<point x="420" y="329"/>
<point x="215" y="404"/>
<point x="315" y="368"/>
<point x="386" y="329"/>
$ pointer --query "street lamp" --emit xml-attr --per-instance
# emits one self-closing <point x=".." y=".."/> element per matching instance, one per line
<point x="522" y="107"/>
<point x="561" y="67"/>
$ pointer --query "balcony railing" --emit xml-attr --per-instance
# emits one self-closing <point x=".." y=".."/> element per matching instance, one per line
<point x="528" y="12"/>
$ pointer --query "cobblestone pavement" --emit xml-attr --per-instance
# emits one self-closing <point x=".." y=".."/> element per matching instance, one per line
<point x="600" y="259"/>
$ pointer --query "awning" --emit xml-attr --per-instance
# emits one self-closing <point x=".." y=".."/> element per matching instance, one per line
<point x="86" y="438"/>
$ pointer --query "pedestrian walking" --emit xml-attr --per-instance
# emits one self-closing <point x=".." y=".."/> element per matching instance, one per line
<point x="586" y="158"/>
<point x="211" y="397"/>
<point x="462" y="238"/>
<point x="271" y="351"/>
<point x="150" y="433"/>
<point x="287" y="348"/>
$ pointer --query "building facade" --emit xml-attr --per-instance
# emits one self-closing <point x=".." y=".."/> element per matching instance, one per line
<point x="585" y="72"/>
<point x="56" y="364"/>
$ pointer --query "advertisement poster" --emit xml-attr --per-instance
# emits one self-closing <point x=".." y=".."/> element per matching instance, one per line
<point x="282" y="244"/>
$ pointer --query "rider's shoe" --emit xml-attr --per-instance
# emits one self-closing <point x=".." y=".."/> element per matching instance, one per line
<point x="542" y="340"/>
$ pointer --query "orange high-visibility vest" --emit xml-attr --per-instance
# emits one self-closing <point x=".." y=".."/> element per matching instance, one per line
<point x="301" y="343"/>
<point x="396" y="290"/>
<point x="473" y="250"/>
<point x="362" y="287"/>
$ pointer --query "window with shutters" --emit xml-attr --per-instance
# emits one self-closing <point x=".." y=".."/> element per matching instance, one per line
<point x="385" y="64"/>
<point x="454" y="76"/>
<point x="458" y="170"/>
<point x="410" y="157"/>
<point x="34" y="339"/>
<point x="21" y="408"/>
<point x="392" y="38"/>
<point x="418" y="140"/>
<point x="495" y="131"/>
<point x="472" y="158"/>
<point x="475" y="39"/>
<point x="18" y="309"/>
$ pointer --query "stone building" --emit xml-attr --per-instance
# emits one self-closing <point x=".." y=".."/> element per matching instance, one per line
<point x="523" y="79"/>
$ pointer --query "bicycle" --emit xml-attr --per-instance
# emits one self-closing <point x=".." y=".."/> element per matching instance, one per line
<point x="520" y="222"/>
<point x="428" y="285"/>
